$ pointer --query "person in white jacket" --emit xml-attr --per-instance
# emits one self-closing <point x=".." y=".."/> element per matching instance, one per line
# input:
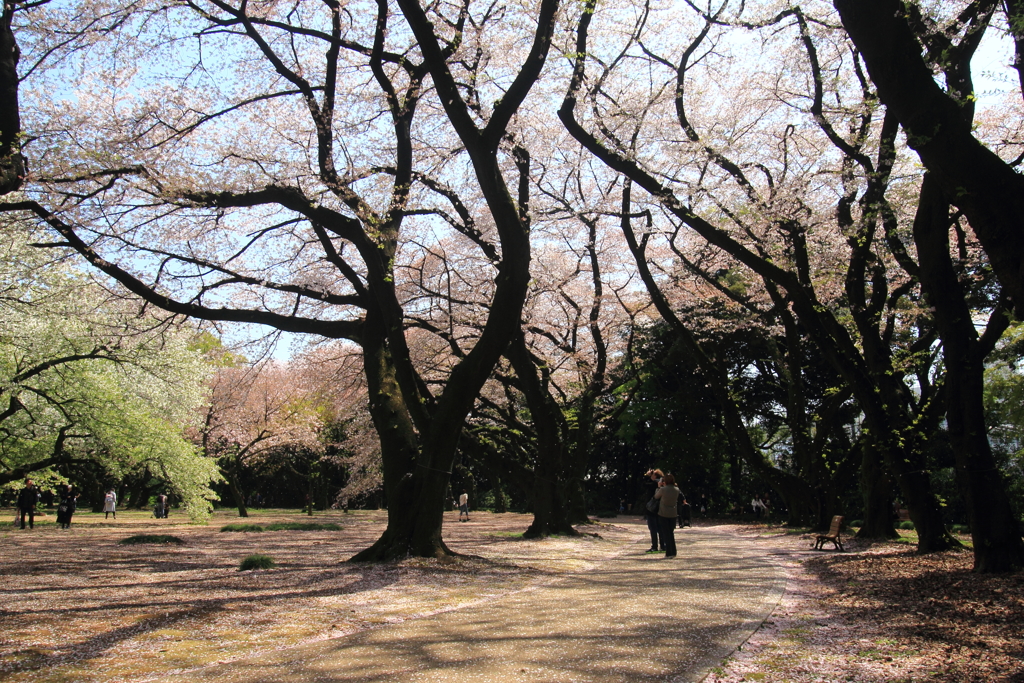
<point x="110" y="504"/>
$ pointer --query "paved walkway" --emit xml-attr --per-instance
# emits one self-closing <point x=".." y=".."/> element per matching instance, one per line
<point x="634" y="618"/>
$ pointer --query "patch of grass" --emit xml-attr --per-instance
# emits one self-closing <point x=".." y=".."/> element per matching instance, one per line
<point x="909" y="537"/>
<point x="907" y="525"/>
<point x="507" y="534"/>
<point x="256" y="561"/>
<point x="151" y="538"/>
<point x="303" y="526"/>
<point x="856" y="524"/>
<point x="241" y="527"/>
<point x="962" y="529"/>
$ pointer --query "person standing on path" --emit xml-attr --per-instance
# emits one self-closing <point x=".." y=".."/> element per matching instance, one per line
<point x="66" y="508"/>
<point x="650" y="487"/>
<point x="110" y="504"/>
<point x="464" y="505"/>
<point x="668" y="495"/>
<point x="27" y="500"/>
<point x="160" y="512"/>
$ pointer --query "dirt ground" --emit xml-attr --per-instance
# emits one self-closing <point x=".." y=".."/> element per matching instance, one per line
<point x="78" y="606"/>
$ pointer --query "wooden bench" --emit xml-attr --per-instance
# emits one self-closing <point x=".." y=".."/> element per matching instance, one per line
<point x="832" y="535"/>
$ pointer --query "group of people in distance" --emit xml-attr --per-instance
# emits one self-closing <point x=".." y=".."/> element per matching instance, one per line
<point x="759" y="506"/>
<point x="665" y="507"/>
<point x="28" y="498"/>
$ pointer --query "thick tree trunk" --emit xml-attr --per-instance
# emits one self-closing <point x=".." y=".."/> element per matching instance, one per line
<point x="500" y="501"/>
<point x="12" y="163"/>
<point x="876" y="487"/>
<point x="139" y="495"/>
<point x="415" y="510"/>
<point x="549" y="509"/>
<point x="997" y="541"/>
<point x="553" y="475"/>
<point x="926" y="513"/>
<point x="416" y="492"/>
<point x="577" y="502"/>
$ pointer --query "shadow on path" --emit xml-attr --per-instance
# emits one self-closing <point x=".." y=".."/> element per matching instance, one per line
<point x="635" y="618"/>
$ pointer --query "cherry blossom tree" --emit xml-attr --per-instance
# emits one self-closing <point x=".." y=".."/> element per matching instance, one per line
<point x="767" y="222"/>
<point x="253" y="411"/>
<point x="264" y="163"/>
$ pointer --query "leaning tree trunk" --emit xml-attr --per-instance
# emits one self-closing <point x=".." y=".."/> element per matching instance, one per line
<point x="997" y="541"/>
<point x="552" y="475"/>
<point x="229" y="469"/>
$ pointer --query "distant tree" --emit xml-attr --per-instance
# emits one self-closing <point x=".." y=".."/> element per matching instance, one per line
<point x="255" y="412"/>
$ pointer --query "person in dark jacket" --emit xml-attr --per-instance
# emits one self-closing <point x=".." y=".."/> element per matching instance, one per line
<point x="67" y="506"/>
<point x="668" y="496"/>
<point x="27" y="500"/>
<point x="650" y="486"/>
<point x="160" y="511"/>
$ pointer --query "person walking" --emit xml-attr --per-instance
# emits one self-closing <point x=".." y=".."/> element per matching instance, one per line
<point x="651" y="509"/>
<point x="110" y="504"/>
<point x="27" y="500"/>
<point x="67" y="506"/>
<point x="464" y="505"/>
<point x="160" y="512"/>
<point x="685" y="513"/>
<point x="668" y="495"/>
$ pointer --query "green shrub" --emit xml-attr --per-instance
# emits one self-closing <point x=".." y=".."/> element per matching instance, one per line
<point x="241" y="527"/>
<point x="857" y="523"/>
<point x="256" y="562"/>
<point x="907" y="525"/>
<point x="960" y="529"/>
<point x="151" y="538"/>
<point x="303" y="526"/>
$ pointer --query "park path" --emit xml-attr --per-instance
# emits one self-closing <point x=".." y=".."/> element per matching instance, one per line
<point x="634" y="617"/>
